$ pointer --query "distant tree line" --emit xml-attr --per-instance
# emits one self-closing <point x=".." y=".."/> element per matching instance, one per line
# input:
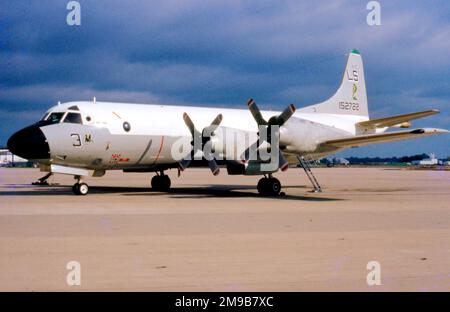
<point x="373" y="160"/>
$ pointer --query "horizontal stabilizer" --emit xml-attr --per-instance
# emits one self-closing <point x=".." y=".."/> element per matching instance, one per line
<point x="395" y="120"/>
<point x="361" y="140"/>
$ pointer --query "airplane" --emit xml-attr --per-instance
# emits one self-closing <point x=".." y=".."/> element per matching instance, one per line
<point x="84" y="137"/>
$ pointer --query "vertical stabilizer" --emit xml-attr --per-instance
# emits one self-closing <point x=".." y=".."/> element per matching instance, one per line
<point x="351" y="97"/>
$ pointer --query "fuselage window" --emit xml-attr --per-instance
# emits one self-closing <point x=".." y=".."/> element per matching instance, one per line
<point x="55" y="117"/>
<point x="45" y="116"/>
<point x="73" y="118"/>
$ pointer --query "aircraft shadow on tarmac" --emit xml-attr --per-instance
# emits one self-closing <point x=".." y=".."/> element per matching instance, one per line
<point x="177" y="192"/>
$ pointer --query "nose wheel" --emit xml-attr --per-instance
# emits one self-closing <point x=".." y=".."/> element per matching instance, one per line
<point x="269" y="186"/>
<point x="161" y="183"/>
<point x="80" y="188"/>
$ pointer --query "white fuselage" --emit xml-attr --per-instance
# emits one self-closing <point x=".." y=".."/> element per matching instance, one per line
<point x="101" y="141"/>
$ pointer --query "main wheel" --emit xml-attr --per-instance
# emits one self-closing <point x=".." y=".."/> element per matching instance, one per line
<point x="165" y="183"/>
<point x="273" y="187"/>
<point x="156" y="183"/>
<point x="269" y="187"/>
<point x="161" y="183"/>
<point x="262" y="186"/>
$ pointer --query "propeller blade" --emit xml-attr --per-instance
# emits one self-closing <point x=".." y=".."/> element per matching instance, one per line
<point x="214" y="125"/>
<point x="285" y="115"/>
<point x="214" y="167"/>
<point x="209" y="156"/>
<point x="217" y="120"/>
<point x="283" y="164"/>
<point x="256" y="112"/>
<point x="189" y="123"/>
<point x="197" y="138"/>
<point x="184" y="163"/>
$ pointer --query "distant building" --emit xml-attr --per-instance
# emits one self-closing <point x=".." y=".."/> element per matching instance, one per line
<point x="8" y="159"/>
<point x="446" y="163"/>
<point x="432" y="160"/>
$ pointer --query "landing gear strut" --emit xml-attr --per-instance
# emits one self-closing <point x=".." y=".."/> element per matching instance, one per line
<point x="43" y="180"/>
<point x="269" y="186"/>
<point x="80" y="188"/>
<point x="161" y="182"/>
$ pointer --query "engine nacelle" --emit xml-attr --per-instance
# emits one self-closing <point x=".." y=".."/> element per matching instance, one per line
<point x="250" y="168"/>
<point x="230" y="143"/>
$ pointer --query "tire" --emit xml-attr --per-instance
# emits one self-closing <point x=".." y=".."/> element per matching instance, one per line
<point x="165" y="183"/>
<point x="273" y="187"/>
<point x="76" y="189"/>
<point x="83" y="189"/>
<point x="161" y="183"/>
<point x="156" y="183"/>
<point x="262" y="186"/>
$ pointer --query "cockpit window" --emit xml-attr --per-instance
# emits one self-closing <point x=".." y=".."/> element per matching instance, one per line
<point x="73" y="118"/>
<point x="54" y="117"/>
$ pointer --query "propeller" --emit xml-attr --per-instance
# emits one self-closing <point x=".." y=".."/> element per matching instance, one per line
<point x="273" y="121"/>
<point x="201" y="141"/>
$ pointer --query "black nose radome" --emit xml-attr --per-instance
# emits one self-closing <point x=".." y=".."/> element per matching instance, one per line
<point x="29" y="143"/>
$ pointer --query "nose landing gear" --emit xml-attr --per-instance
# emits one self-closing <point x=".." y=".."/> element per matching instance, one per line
<point x="43" y="180"/>
<point x="269" y="186"/>
<point x="80" y="188"/>
<point x="161" y="182"/>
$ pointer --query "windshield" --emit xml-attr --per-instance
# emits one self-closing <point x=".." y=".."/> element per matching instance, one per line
<point x="73" y="118"/>
<point x="54" y="117"/>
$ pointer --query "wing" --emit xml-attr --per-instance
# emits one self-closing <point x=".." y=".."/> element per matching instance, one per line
<point x="361" y="140"/>
<point x="395" y="120"/>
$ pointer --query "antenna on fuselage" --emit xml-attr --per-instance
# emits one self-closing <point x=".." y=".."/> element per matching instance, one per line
<point x="93" y="100"/>
<point x="59" y="103"/>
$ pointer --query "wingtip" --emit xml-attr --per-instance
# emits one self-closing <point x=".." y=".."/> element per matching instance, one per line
<point x="431" y="130"/>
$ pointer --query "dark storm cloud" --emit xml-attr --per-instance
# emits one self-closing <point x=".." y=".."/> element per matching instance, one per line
<point x="221" y="53"/>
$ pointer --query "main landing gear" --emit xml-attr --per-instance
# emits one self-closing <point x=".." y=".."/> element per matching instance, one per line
<point x="161" y="182"/>
<point x="269" y="186"/>
<point x="80" y="188"/>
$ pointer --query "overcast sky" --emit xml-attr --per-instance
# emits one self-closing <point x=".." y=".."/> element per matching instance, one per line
<point x="223" y="52"/>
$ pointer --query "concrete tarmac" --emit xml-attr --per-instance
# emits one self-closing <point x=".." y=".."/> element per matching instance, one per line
<point x="216" y="234"/>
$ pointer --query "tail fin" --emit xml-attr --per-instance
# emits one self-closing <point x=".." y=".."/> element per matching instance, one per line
<point x="351" y="97"/>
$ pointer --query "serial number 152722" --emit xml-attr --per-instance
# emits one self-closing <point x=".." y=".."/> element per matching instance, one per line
<point x="349" y="106"/>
